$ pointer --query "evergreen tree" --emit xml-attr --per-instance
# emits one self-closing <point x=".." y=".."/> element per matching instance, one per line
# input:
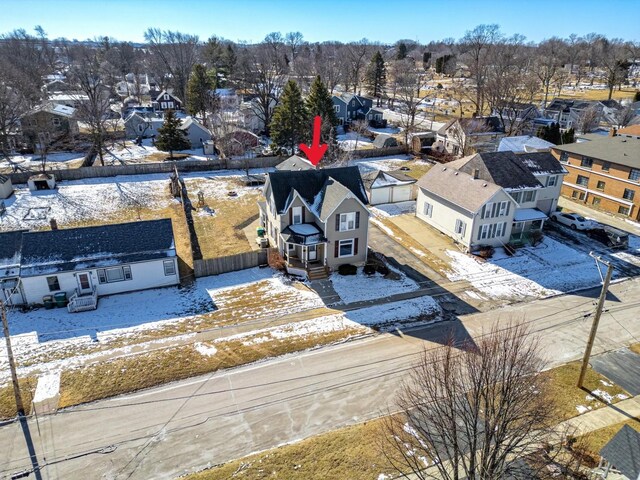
<point x="376" y="76"/>
<point x="569" y="136"/>
<point x="170" y="138"/>
<point x="426" y="60"/>
<point x="402" y="51"/>
<point x="290" y="123"/>
<point x="319" y="103"/>
<point x="636" y="97"/>
<point x="201" y="92"/>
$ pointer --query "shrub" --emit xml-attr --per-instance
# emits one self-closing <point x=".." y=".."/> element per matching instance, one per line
<point x="382" y="269"/>
<point x="276" y="261"/>
<point x="347" y="270"/>
<point x="369" y="269"/>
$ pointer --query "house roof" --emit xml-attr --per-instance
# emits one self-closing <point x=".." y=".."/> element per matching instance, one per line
<point x="383" y="139"/>
<point x="163" y="92"/>
<point x="623" y="452"/>
<point x="10" y="247"/>
<point x="523" y="143"/>
<point x="318" y="188"/>
<point x="458" y="187"/>
<point x="54" y="109"/>
<point x="4" y="179"/>
<point x="51" y="251"/>
<point x="509" y="169"/>
<point x="190" y="121"/>
<point x="379" y="179"/>
<point x="621" y="150"/>
<point x="295" y="162"/>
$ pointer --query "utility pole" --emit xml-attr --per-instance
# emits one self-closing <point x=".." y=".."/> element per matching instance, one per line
<point x="596" y="317"/>
<point x="12" y="363"/>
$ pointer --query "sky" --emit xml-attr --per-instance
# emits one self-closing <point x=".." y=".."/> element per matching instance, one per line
<point x="320" y="20"/>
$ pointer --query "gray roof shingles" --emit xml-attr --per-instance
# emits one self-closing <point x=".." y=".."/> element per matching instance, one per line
<point x="54" y="251"/>
<point x="623" y="452"/>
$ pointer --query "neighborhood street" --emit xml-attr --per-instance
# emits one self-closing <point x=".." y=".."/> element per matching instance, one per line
<point x="175" y="429"/>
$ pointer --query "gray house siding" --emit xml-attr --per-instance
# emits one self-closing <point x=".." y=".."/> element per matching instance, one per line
<point x="359" y="235"/>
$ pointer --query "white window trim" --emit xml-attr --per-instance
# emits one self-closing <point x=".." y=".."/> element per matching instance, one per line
<point x="345" y="219"/>
<point x="172" y="266"/>
<point x="461" y="227"/>
<point x="346" y="241"/>
<point x="552" y="181"/>
<point x="427" y="209"/>
<point x="125" y="269"/>
<point x="297" y="212"/>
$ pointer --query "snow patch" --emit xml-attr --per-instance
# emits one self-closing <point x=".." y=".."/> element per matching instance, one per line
<point x="205" y="350"/>
<point x="48" y="387"/>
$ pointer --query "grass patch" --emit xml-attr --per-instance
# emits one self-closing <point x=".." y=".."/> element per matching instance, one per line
<point x="351" y="452"/>
<point x="222" y="233"/>
<point x="128" y="374"/>
<point x="8" y="400"/>
<point x="562" y="385"/>
<point x="418" y="168"/>
<point x="599" y="438"/>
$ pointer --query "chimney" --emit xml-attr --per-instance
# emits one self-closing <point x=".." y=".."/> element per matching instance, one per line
<point x="476" y="173"/>
<point x="613" y="132"/>
<point x="53" y="223"/>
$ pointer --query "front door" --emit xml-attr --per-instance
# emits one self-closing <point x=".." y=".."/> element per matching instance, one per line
<point x="312" y="253"/>
<point x="84" y="282"/>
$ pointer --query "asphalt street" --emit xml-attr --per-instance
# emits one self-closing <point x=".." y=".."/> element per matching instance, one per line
<point x="164" y="432"/>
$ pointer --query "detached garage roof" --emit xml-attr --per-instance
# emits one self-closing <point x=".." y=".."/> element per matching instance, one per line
<point x="380" y="179"/>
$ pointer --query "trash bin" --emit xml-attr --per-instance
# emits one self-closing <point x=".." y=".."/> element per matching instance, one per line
<point x="61" y="299"/>
<point x="47" y="300"/>
<point x="260" y="231"/>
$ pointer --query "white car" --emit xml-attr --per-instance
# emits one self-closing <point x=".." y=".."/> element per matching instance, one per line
<point x="573" y="220"/>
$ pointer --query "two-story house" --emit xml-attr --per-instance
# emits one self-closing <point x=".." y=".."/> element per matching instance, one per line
<point x="317" y="219"/>
<point x="464" y="136"/>
<point x="167" y="101"/>
<point x="604" y="173"/>
<point x="350" y="107"/>
<point x="490" y="198"/>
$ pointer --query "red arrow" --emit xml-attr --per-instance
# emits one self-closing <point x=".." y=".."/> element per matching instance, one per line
<point x="316" y="151"/>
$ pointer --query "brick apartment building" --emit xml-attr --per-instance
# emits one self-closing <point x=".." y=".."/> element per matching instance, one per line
<point x="604" y="173"/>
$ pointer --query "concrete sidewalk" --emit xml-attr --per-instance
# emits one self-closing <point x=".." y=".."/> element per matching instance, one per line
<point x="628" y="409"/>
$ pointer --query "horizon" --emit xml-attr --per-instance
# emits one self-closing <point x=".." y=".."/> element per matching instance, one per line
<point x="124" y="21"/>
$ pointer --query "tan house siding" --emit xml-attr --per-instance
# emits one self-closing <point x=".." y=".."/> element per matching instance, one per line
<point x="607" y="197"/>
<point x="360" y="234"/>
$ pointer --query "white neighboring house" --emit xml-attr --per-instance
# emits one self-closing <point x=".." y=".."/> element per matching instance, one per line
<point x="6" y="188"/>
<point x="491" y="198"/>
<point x="85" y="263"/>
<point x="141" y="124"/>
<point x="195" y="132"/>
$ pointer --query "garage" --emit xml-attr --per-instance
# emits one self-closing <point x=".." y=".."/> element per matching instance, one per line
<point x="389" y="187"/>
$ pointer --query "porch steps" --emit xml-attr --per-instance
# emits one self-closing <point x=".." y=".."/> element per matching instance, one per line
<point x="317" y="273"/>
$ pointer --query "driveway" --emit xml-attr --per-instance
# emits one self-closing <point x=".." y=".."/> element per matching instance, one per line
<point x="622" y="367"/>
<point x="606" y="218"/>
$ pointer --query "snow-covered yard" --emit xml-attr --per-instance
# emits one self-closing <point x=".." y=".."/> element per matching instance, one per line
<point x="548" y="269"/>
<point x="353" y="141"/>
<point x="100" y="198"/>
<point x="59" y="160"/>
<point x="393" y="162"/>
<point x="394" y="209"/>
<point x="354" y="288"/>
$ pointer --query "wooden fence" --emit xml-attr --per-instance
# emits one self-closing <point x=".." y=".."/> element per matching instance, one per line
<point x="156" y="167"/>
<point x="230" y="263"/>
<point x="380" y="152"/>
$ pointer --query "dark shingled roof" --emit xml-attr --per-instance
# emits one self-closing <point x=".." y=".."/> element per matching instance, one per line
<point x="10" y="246"/>
<point x="308" y="183"/>
<point x="623" y="452"/>
<point x="54" y="251"/>
<point x="510" y="169"/>
<point x="475" y="125"/>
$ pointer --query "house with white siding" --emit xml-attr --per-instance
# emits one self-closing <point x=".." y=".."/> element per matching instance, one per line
<point x="491" y="198"/>
<point x="86" y="263"/>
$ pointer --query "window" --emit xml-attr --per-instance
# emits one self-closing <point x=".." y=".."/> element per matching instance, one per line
<point x="163" y="105"/>
<point x="528" y="196"/>
<point x="427" y="209"/>
<point x="552" y="181"/>
<point x="634" y="174"/>
<point x="623" y="210"/>
<point x="297" y="215"/>
<point x="492" y="230"/>
<point x="166" y="97"/>
<point x="606" y="166"/>
<point x="336" y="108"/>
<point x="140" y="128"/>
<point x="345" y="248"/>
<point x="504" y="209"/>
<point x="492" y="210"/>
<point x="516" y="196"/>
<point x="628" y="194"/>
<point x="347" y="222"/>
<point x="353" y="103"/>
<point x="595" y="201"/>
<point x="169" y="268"/>
<point x="170" y="105"/>
<point x="564" y="157"/>
<point x="574" y="194"/>
<point x="116" y="274"/>
<point x="56" y="122"/>
<point x="586" y="162"/>
<point x="461" y="227"/>
<point x="53" y="284"/>
<point x="600" y="185"/>
<point x="582" y="180"/>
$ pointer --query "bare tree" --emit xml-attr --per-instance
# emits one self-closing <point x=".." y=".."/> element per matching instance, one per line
<point x="548" y="62"/>
<point x="473" y="411"/>
<point x="327" y="64"/>
<point x="294" y="40"/>
<point x="409" y="80"/>
<point x="355" y="62"/>
<point x="625" y="116"/>
<point x="613" y="58"/>
<point x="177" y="52"/>
<point x="588" y="120"/>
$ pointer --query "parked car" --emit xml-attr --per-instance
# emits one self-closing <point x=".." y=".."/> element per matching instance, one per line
<point x="611" y="237"/>
<point x="573" y="220"/>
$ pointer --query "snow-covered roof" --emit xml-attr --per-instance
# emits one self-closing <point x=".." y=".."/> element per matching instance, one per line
<point x="387" y="179"/>
<point x="523" y="143"/>
<point x="528" y="214"/>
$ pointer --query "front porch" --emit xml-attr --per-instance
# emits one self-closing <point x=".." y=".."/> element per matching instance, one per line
<point x="304" y="250"/>
<point x="527" y="226"/>
<point x="82" y="301"/>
